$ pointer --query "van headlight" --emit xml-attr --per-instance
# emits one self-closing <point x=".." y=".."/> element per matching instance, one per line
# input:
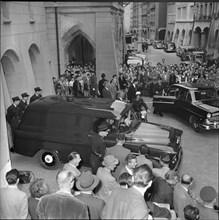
<point x="178" y="140"/>
<point x="209" y="115"/>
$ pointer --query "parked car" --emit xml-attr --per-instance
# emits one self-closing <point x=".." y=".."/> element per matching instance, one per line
<point x="169" y="47"/>
<point x="198" y="105"/>
<point x="183" y="50"/>
<point x="54" y="126"/>
<point x="135" y="60"/>
<point x="149" y="41"/>
<point x="195" y="57"/>
<point x="158" y="44"/>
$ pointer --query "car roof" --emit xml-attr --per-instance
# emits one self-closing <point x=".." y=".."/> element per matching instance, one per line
<point x="187" y="47"/>
<point x="192" y="86"/>
<point x="102" y="107"/>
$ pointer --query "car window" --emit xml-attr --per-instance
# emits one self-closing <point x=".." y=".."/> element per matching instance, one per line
<point x="188" y="97"/>
<point x="182" y="94"/>
<point x="173" y="91"/>
<point x="204" y="94"/>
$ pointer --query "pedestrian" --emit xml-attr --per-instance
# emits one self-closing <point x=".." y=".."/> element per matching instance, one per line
<point x="142" y="158"/>
<point x="129" y="203"/>
<point x="23" y="104"/>
<point x="37" y="94"/>
<point x="132" y="90"/>
<point x="106" y="91"/>
<point x="13" y="201"/>
<point x="101" y="84"/>
<point x="122" y="81"/>
<point x="131" y="163"/>
<point x="114" y="89"/>
<point x="86" y="183"/>
<point x="62" y="204"/>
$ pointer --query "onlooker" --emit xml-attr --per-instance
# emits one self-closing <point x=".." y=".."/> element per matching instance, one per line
<point x="131" y="163"/>
<point x="132" y="90"/>
<point x="37" y="189"/>
<point x="120" y="153"/>
<point x="62" y="204"/>
<point x="125" y="180"/>
<point x="13" y="202"/>
<point x="101" y="84"/>
<point x="142" y="158"/>
<point x="191" y="213"/>
<point x="108" y="182"/>
<point x="164" y="162"/>
<point x="181" y="197"/>
<point x="23" y="104"/>
<point x="129" y="203"/>
<point x="73" y="161"/>
<point x="122" y="81"/>
<point x="86" y="183"/>
<point x="114" y="87"/>
<point x="106" y="91"/>
<point x="36" y="95"/>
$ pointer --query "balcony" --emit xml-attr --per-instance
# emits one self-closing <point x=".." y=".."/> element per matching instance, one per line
<point x="202" y="18"/>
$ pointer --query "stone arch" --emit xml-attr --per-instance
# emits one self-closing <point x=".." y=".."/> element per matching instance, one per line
<point x="216" y="36"/>
<point x="182" y="36"/>
<point x="204" y="37"/>
<point x="161" y="33"/>
<point x="197" y="33"/>
<point x="176" y="36"/>
<point x="14" y="73"/>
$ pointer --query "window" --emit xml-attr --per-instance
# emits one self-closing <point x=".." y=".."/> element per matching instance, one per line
<point x="30" y="12"/>
<point x="5" y="12"/>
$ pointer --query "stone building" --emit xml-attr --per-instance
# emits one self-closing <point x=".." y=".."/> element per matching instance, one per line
<point x="171" y="14"/>
<point x="38" y="39"/>
<point x="183" y="23"/>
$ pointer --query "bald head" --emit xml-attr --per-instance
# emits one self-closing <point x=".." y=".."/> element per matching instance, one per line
<point x="186" y="179"/>
<point x="64" y="178"/>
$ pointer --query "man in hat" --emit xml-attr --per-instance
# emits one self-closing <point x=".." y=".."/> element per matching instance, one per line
<point x="12" y="115"/>
<point x="86" y="183"/>
<point x="132" y="90"/>
<point x="23" y="103"/>
<point x="101" y="84"/>
<point x="104" y="174"/>
<point x="62" y="204"/>
<point x="37" y="94"/>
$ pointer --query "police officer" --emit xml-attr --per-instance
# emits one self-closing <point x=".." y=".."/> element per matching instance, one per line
<point x="23" y="103"/>
<point x="37" y="94"/>
<point x="12" y="115"/>
<point x="139" y="105"/>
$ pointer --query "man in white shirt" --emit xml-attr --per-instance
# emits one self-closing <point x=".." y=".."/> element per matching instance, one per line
<point x="131" y="163"/>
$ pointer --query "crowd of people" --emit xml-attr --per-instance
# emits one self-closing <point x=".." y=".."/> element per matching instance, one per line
<point x="126" y="186"/>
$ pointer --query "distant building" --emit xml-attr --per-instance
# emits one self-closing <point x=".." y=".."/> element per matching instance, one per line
<point x="183" y="23"/>
<point x="127" y="17"/>
<point x="171" y="16"/>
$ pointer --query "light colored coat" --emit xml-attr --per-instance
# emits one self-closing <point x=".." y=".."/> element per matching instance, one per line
<point x="72" y="169"/>
<point x="13" y="203"/>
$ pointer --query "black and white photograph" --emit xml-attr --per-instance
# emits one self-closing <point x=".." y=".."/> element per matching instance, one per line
<point x="109" y="110"/>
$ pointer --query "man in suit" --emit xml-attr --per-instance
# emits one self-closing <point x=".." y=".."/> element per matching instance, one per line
<point x="131" y="163"/>
<point x="122" y="81"/>
<point x="132" y="90"/>
<point x="37" y="94"/>
<point x="181" y="197"/>
<point x="101" y="84"/>
<point x="119" y="152"/>
<point x="12" y="116"/>
<point x="129" y="203"/>
<point x="62" y="204"/>
<point x="105" y="91"/>
<point x="23" y="103"/>
<point x="14" y="204"/>
<point x="86" y="183"/>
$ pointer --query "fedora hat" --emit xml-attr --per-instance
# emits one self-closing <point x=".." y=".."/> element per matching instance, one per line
<point x="87" y="181"/>
<point x="25" y="94"/>
<point x="37" y="89"/>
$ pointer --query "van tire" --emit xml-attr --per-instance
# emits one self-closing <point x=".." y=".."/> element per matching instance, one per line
<point x="49" y="159"/>
<point x="195" y="124"/>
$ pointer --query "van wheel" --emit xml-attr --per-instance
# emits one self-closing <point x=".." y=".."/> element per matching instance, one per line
<point x="49" y="159"/>
<point x="195" y="124"/>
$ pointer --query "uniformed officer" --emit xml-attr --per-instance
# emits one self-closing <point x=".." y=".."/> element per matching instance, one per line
<point x="140" y="106"/>
<point x="23" y="103"/>
<point x="12" y="115"/>
<point x="37" y="94"/>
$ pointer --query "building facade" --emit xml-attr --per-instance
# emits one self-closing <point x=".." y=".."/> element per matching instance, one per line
<point x="171" y="16"/>
<point x="183" y="23"/>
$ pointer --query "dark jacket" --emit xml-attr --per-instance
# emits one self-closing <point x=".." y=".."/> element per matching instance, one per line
<point x="35" y="97"/>
<point x="101" y="86"/>
<point x="12" y="114"/>
<point x="106" y="93"/>
<point x="131" y="92"/>
<point x="32" y="204"/>
<point x="138" y="104"/>
<point x="22" y="107"/>
<point x="158" y="89"/>
<point x="122" y="82"/>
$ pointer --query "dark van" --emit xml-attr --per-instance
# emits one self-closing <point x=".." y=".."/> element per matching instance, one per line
<point x="54" y="126"/>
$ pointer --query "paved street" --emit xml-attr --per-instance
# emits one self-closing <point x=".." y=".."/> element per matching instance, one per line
<point x="200" y="154"/>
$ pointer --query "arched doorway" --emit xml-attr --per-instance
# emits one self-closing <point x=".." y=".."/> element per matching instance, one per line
<point x="216" y="36"/>
<point x="204" y="37"/>
<point x="176" y="36"/>
<point x="14" y="73"/>
<point x="197" y="41"/>
<point x="168" y="36"/>
<point x="161" y="34"/>
<point x="190" y="36"/>
<point x="171" y="36"/>
<point x="81" y="49"/>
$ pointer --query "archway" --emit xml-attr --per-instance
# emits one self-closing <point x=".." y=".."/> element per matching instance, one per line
<point x="81" y="49"/>
<point x="171" y="36"/>
<point x="204" y="37"/>
<point x="176" y="36"/>
<point x="14" y="73"/>
<point x="182" y="37"/>
<point x="190" y="35"/>
<point x="168" y="36"/>
<point x="161" y="34"/>
<point x="197" y="33"/>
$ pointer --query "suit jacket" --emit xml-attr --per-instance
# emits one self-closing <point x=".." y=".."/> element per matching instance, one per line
<point x="162" y="192"/>
<point x="131" y="92"/>
<point x="125" y="204"/>
<point x="32" y="204"/>
<point x="35" y="97"/>
<point x="207" y="213"/>
<point x="95" y="204"/>
<point x="73" y="169"/>
<point x="12" y="114"/>
<point x="108" y="183"/>
<point x="106" y="93"/>
<point x="120" y="153"/>
<point x="22" y="107"/>
<point x="122" y="82"/>
<point x="60" y="205"/>
<point x="13" y="203"/>
<point x="181" y="199"/>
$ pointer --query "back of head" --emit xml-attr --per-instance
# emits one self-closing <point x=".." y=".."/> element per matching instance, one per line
<point x="165" y="158"/>
<point x="144" y="149"/>
<point x="121" y="137"/>
<point x="72" y="155"/>
<point x="64" y="178"/>
<point x="191" y="213"/>
<point x="172" y="177"/>
<point x="142" y="175"/>
<point x="12" y="176"/>
<point x="38" y="188"/>
<point x="186" y="179"/>
<point x="125" y="179"/>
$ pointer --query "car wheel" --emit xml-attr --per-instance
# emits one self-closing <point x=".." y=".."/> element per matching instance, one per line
<point x="195" y="124"/>
<point x="49" y="159"/>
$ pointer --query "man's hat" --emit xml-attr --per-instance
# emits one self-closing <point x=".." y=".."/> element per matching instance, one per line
<point x="103" y="126"/>
<point x="110" y="160"/>
<point x="16" y="98"/>
<point x="37" y="89"/>
<point x="25" y="95"/>
<point x="208" y="194"/>
<point x="87" y="181"/>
